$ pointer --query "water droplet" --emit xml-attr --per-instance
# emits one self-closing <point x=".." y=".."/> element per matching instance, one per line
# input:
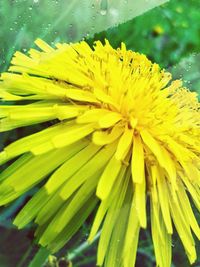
<point x="30" y="8"/>
<point x="103" y="7"/>
<point x="93" y="6"/>
<point x="35" y="1"/>
<point x="103" y="12"/>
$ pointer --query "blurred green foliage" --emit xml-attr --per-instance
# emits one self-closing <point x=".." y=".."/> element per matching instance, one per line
<point x="166" y="34"/>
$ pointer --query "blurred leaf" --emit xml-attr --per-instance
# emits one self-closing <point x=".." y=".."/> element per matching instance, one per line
<point x="165" y="34"/>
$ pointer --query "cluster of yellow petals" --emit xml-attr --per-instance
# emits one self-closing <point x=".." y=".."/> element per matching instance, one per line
<point x="120" y="120"/>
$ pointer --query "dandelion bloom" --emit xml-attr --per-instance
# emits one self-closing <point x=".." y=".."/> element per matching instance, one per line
<point x="124" y="134"/>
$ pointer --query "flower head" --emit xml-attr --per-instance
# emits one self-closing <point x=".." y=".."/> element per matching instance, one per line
<point x="123" y="133"/>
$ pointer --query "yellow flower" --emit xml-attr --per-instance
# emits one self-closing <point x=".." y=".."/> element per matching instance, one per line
<point x="124" y="133"/>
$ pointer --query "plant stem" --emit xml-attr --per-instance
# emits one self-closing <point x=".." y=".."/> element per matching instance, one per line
<point x="76" y="252"/>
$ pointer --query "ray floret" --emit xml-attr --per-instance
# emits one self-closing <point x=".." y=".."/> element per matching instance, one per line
<point x="123" y="132"/>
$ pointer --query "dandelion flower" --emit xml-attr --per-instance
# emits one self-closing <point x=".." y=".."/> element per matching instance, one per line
<point x="124" y="133"/>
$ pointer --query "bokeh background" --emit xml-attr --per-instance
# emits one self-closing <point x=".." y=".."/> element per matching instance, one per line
<point x="168" y="33"/>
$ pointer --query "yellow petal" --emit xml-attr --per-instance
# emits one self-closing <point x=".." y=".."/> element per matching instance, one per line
<point x="164" y="202"/>
<point x="107" y="137"/>
<point x="108" y="178"/>
<point x="187" y="210"/>
<point x="72" y="165"/>
<point x="132" y="233"/>
<point x="67" y="212"/>
<point x="110" y="220"/>
<point x="183" y="229"/>
<point x="140" y="202"/>
<point x="106" y="203"/>
<point x="137" y="162"/>
<point x="92" y="115"/>
<point x="124" y="144"/>
<point x="162" y="156"/>
<point x="95" y="164"/>
<point x="81" y="95"/>
<point x="109" y="120"/>
<point x="43" y="45"/>
<point x="72" y="135"/>
<point x="161" y="239"/>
